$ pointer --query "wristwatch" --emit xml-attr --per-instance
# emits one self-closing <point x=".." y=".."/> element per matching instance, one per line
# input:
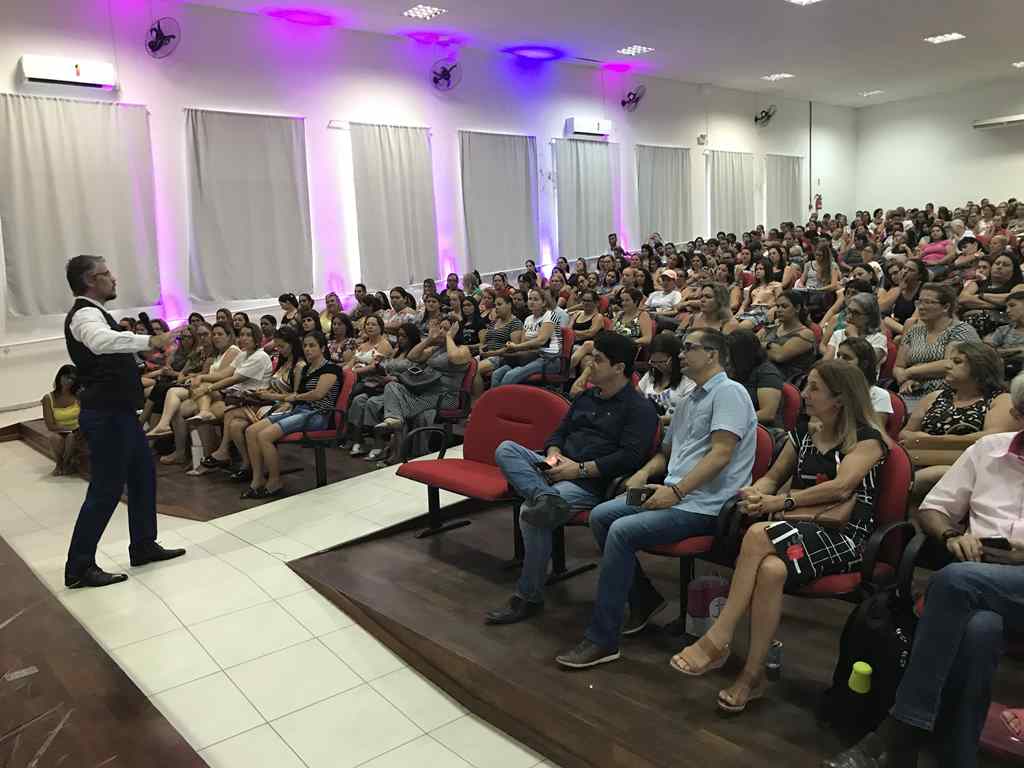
<point x="583" y="469"/>
<point x="789" y="504"/>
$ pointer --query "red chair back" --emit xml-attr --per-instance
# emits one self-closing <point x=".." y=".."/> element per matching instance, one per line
<point x="748" y="279"/>
<point x="348" y="380"/>
<point x="885" y="374"/>
<point x="896" y="420"/>
<point x="894" y="479"/>
<point x="602" y="304"/>
<point x="817" y="333"/>
<point x="527" y="415"/>
<point x="763" y="453"/>
<point x="790" y="406"/>
<point x="608" y="322"/>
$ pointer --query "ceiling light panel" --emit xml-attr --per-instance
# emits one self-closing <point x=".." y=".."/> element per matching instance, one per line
<point x="424" y="12"/>
<point x="869" y="94"/>
<point x="1019" y="64"/>
<point x="635" y="50"/>
<point x="947" y="38"/>
<point x="777" y="76"/>
<point x="803" y="2"/>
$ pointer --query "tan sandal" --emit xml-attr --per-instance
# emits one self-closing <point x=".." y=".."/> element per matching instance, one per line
<point x="755" y="686"/>
<point x="717" y="657"/>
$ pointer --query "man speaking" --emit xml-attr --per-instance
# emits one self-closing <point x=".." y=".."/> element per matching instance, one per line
<point x="119" y="455"/>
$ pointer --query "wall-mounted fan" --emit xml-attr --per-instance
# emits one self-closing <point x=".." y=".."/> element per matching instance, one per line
<point x="163" y="37"/>
<point x="632" y="100"/>
<point x="765" y="116"/>
<point x="446" y="74"/>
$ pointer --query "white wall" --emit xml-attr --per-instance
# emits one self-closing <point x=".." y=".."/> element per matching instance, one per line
<point x="925" y="150"/>
<point x="251" y="63"/>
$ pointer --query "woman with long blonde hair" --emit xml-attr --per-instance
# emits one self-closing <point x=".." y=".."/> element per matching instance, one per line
<point x="817" y="529"/>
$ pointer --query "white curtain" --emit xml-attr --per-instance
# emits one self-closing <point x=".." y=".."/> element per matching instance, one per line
<point x="499" y="199"/>
<point x="249" y="233"/>
<point x="394" y="182"/>
<point x="663" y="192"/>
<point x="584" y="178"/>
<point x="731" y="191"/>
<point x="77" y="177"/>
<point x="783" y="176"/>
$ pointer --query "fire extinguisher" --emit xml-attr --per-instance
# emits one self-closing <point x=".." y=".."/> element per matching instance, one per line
<point x="817" y="202"/>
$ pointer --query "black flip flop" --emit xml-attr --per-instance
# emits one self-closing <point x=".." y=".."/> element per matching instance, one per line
<point x="211" y="463"/>
<point x="254" y="493"/>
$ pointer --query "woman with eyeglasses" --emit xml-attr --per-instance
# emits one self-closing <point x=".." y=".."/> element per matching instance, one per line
<point x="664" y="384"/>
<point x="921" y="361"/>
<point x="861" y="318"/>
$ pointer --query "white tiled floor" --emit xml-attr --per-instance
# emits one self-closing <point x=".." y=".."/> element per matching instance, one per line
<point x="254" y="668"/>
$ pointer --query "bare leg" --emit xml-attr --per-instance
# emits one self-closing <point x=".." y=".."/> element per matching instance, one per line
<point x="71" y="453"/>
<point x="172" y="403"/>
<point x="755" y="549"/>
<point x="221" y="453"/>
<point x="252" y="441"/>
<point x="765" y="612"/>
<point x="57" y="447"/>
<point x="268" y="451"/>
<point x="238" y="427"/>
<point x="485" y="366"/>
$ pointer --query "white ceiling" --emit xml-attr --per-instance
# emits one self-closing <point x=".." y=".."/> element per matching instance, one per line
<point x="836" y="48"/>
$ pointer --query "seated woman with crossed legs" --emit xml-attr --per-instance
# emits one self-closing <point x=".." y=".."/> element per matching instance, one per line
<point x="312" y="410"/>
<point x="833" y="466"/>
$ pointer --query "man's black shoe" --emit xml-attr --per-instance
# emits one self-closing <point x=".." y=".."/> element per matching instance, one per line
<point x="548" y="511"/>
<point x="93" y="576"/>
<point x="516" y="610"/>
<point x="152" y="553"/>
<point x="639" y="619"/>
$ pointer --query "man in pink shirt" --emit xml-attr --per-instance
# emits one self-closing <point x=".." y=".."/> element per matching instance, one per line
<point x="977" y="511"/>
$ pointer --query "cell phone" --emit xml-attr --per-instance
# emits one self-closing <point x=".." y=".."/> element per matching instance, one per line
<point x="635" y="497"/>
<point x="542" y="466"/>
<point x="996" y="543"/>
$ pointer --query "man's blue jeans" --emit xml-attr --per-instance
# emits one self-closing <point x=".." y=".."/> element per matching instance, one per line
<point x="948" y="684"/>
<point x="519" y="466"/>
<point x="620" y="530"/>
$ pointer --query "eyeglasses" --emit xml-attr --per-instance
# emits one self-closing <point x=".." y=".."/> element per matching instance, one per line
<point x="689" y="346"/>
<point x="928" y="303"/>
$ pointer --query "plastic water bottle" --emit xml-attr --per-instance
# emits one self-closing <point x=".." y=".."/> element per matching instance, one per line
<point x="773" y="662"/>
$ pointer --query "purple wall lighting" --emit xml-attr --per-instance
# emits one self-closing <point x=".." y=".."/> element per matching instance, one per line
<point x="304" y="16"/>
<point x="616" y="66"/>
<point x="535" y="52"/>
<point x="427" y="37"/>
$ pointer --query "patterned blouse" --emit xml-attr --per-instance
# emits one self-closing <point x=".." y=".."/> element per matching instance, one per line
<point x="920" y="350"/>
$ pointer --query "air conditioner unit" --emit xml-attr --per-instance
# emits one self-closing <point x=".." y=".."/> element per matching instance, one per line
<point x="999" y="122"/>
<point x="61" y="71"/>
<point x="587" y="126"/>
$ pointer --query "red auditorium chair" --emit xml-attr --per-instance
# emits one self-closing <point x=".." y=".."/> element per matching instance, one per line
<point x="320" y="440"/>
<point x="817" y="334"/>
<point x="563" y="377"/>
<point x="886" y="372"/>
<point x="897" y="420"/>
<point x="685" y="550"/>
<point x="791" y="404"/>
<point x="527" y="415"/>
<point x="452" y="415"/>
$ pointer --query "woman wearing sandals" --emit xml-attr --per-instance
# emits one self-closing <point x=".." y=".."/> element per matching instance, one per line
<point x="312" y="410"/>
<point x="816" y="529"/>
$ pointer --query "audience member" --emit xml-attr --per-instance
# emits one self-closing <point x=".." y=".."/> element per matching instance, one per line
<point x="665" y="384"/>
<point x="861" y="318"/>
<point x="750" y="366"/>
<point x="60" y="413"/>
<point x="708" y="453"/>
<point x="333" y="309"/>
<point x="983" y="301"/>
<point x="540" y="348"/>
<point x="342" y="342"/>
<point x="249" y="371"/>
<point x="789" y="342"/>
<point x="857" y="351"/>
<point x="311" y="409"/>
<point x="816" y="529"/>
<point x="921" y="360"/>
<point x="607" y="432"/>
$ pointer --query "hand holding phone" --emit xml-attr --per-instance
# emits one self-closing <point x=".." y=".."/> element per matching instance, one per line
<point x="635" y="497"/>
<point x="997" y="542"/>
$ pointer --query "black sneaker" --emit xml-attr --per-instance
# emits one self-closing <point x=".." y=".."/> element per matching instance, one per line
<point x="639" y="619"/>
<point x="547" y="511"/>
<point x="586" y="654"/>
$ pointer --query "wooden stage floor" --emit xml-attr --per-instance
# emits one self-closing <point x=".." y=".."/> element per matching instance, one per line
<point x="426" y="598"/>
<point x="63" y="700"/>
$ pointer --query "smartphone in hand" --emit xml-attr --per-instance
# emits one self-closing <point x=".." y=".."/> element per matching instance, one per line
<point x="635" y="497"/>
<point x="996" y="543"/>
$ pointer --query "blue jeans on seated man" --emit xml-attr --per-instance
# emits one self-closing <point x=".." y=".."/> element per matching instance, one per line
<point x="947" y="686"/>
<point x="621" y="530"/>
<point x="506" y="374"/>
<point x="518" y="464"/>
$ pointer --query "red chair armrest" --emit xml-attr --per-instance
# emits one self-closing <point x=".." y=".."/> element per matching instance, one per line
<point x="406" y="447"/>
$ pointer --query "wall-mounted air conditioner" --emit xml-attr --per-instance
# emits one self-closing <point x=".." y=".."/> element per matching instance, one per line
<point x="60" y="71"/>
<point x="999" y="122"/>
<point x="587" y="126"/>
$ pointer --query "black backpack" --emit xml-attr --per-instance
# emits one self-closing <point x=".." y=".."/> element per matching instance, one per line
<point x="880" y="631"/>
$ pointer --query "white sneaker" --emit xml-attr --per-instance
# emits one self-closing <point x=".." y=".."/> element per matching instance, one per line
<point x="376" y="454"/>
<point x="357" y="450"/>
